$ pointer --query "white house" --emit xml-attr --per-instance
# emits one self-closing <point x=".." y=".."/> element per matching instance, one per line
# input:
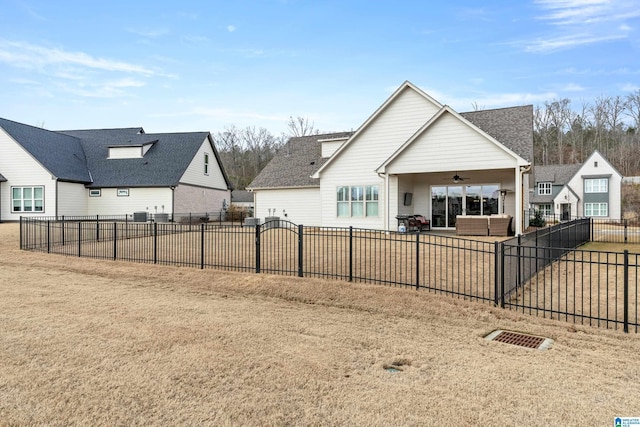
<point x="590" y="189"/>
<point x="413" y="155"/>
<point x="107" y="172"/>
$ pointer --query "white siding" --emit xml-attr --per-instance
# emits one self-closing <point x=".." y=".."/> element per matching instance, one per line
<point x="21" y="169"/>
<point x="302" y="205"/>
<point x="195" y="172"/>
<point x="151" y="200"/>
<point x="72" y="199"/>
<point x="448" y="145"/>
<point x="330" y="147"/>
<point x="125" y="152"/>
<point x="615" y="184"/>
<point x="356" y="164"/>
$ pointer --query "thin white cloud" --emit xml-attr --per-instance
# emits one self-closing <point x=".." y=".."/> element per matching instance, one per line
<point x="490" y="100"/>
<point x="573" y="87"/>
<point x="575" y="23"/>
<point x="630" y="87"/>
<point x="27" y="55"/>
<point x="542" y="45"/>
<point x="231" y="28"/>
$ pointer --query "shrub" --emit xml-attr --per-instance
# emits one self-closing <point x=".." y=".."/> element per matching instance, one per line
<point x="537" y="220"/>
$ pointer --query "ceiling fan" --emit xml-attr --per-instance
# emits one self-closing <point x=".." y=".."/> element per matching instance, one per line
<point x="457" y="178"/>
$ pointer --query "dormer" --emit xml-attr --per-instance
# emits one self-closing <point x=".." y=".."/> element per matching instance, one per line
<point x="331" y="145"/>
<point x="130" y="151"/>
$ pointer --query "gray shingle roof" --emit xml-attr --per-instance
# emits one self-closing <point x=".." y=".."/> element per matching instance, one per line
<point x="512" y="127"/>
<point x="556" y="174"/>
<point x="162" y="166"/>
<point x="60" y="154"/>
<point x="241" y="196"/>
<point x="295" y="162"/>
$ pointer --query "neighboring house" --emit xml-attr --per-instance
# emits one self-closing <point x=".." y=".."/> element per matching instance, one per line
<point x="590" y="189"/>
<point x="413" y="155"/>
<point x="107" y="172"/>
<point x="242" y="199"/>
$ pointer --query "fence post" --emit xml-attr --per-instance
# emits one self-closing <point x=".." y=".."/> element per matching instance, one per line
<point x="155" y="242"/>
<point x="115" y="240"/>
<point x="351" y="253"/>
<point x="48" y="236"/>
<point x="257" y="248"/>
<point x="300" y="249"/>
<point x="496" y="275"/>
<point x="418" y="260"/>
<point x="202" y="246"/>
<point x="626" y="291"/>
<point x="97" y="228"/>
<point x="519" y="253"/>
<point x="502" y="276"/>
<point x="79" y="238"/>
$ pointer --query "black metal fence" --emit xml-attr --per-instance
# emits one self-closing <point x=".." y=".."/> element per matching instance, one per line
<point x="509" y="274"/>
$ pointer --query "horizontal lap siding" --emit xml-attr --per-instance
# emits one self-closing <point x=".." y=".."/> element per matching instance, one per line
<point x="21" y="169"/>
<point x="72" y="199"/>
<point x="195" y="172"/>
<point x="302" y="205"/>
<point x="140" y="199"/>
<point x="450" y="145"/>
<point x="356" y="165"/>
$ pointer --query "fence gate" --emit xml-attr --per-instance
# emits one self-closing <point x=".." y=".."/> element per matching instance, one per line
<point x="278" y="247"/>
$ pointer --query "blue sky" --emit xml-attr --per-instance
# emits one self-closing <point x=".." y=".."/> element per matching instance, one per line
<point x="202" y="65"/>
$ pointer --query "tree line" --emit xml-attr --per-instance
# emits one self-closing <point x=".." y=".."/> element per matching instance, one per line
<point x="244" y="152"/>
<point x="562" y="134"/>
<point x="565" y="134"/>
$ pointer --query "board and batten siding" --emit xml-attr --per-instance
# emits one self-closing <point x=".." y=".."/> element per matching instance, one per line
<point x="302" y="205"/>
<point x="195" y="175"/>
<point x="151" y="200"/>
<point x="72" y="199"/>
<point x="22" y="170"/>
<point x="375" y="143"/>
<point x="448" y="144"/>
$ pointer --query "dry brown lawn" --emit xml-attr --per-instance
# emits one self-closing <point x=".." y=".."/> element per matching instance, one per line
<point x="94" y="342"/>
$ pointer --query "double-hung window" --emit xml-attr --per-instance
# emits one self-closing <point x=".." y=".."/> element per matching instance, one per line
<point x="544" y="188"/>
<point x="27" y="199"/>
<point x="596" y="209"/>
<point x="357" y="201"/>
<point x="596" y="185"/>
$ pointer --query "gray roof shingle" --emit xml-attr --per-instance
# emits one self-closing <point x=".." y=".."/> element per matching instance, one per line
<point x="295" y="162"/>
<point x="556" y="174"/>
<point x="241" y="196"/>
<point x="2" y="178"/>
<point x="512" y="127"/>
<point x="60" y="154"/>
<point x="162" y="166"/>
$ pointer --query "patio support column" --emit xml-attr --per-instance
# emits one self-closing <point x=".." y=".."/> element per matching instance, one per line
<point x="519" y="201"/>
<point x="386" y="202"/>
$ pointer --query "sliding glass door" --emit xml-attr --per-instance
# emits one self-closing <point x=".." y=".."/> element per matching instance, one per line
<point x="449" y="201"/>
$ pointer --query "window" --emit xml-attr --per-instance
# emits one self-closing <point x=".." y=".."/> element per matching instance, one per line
<point x="95" y="192"/>
<point x="546" y="209"/>
<point x="357" y="201"/>
<point x="206" y="163"/>
<point x="544" y="188"/>
<point x="596" y="185"/>
<point x="123" y="192"/>
<point x="27" y="199"/>
<point x="596" y="209"/>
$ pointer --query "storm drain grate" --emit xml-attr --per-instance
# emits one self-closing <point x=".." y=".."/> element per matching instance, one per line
<point x="523" y="340"/>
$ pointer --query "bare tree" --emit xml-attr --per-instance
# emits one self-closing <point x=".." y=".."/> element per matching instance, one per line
<point x="301" y="126"/>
